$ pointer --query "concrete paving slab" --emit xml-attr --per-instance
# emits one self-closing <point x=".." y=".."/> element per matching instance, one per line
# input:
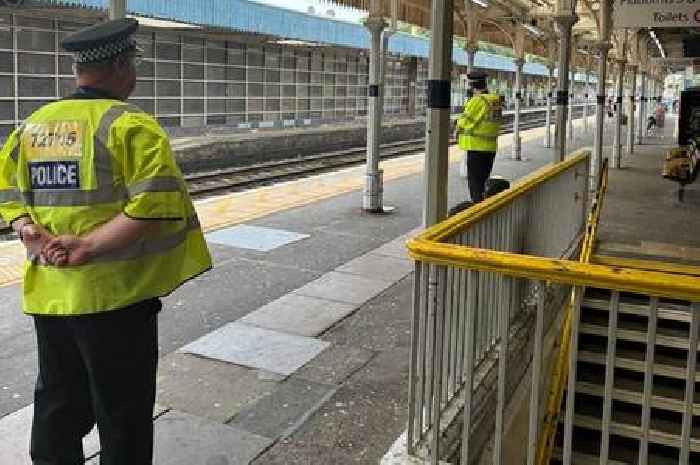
<point x="343" y="287"/>
<point x="227" y="293"/>
<point x="209" y="388"/>
<point x="182" y="439"/>
<point x="395" y="248"/>
<point x="254" y="237"/>
<point x="398" y="454"/>
<point x="283" y="411"/>
<point x="18" y="361"/>
<point x="255" y="347"/>
<point x="361" y="421"/>
<point x="381" y="324"/>
<point x="15" y="431"/>
<point x="298" y="314"/>
<point x="376" y="266"/>
<point x="358" y="423"/>
<point x="335" y="364"/>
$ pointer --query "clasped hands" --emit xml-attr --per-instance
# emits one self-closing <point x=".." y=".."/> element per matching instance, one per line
<point x="65" y="250"/>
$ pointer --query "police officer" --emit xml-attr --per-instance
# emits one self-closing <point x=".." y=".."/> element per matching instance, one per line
<point x="92" y="188"/>
<point x="478" y="129"/>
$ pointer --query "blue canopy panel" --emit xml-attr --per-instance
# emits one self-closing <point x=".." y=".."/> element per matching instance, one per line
<point x="249" y="16"/>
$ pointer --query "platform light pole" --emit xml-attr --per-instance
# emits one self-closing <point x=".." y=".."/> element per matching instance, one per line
<point x="117" y="9"/>
<point x="565" y="20"/>
<point x="472" y="25"/>
<point x="632" y="105"/>
<point x="518" y="90"/>
<point x="603" y="48"/>
<point x="470" y="50"/>
<point x="372" y="197"/>
<point x="617" y="147"/>
<point x="438" y="116"/>
<point x="570" y="113"/>
<point x="386" y="35"/>
<point x="519" y="63"/>
<point x="642" y="105"/>
<point x="548" y="115"/>
<point x="586" y="94"/>
<point x="552" y="46"/>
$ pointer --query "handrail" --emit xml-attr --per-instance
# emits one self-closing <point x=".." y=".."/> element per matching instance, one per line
<point x="472" y="215"/>
<point x="653" y="283"/>
<point x="426" y="247"/>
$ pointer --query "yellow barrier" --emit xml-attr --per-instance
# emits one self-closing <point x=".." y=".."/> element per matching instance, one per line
<point x="432" y="247"/>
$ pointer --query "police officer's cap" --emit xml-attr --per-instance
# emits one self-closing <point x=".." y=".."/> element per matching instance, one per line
<point x="102" y="41"/>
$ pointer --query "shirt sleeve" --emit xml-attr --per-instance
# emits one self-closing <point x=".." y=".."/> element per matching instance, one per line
<point x="155" y="186"/>
<point x="11" y="204"/>
<point x="474" y="112"/>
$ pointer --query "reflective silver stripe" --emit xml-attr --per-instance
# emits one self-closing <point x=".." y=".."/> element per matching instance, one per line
<point x="481" y="136"/>
<point x="14" y="154"/>
<point x="157" y="184"/>
<point x="143" y="248"/>
<point x="10" y="195"/>
<point x="106" y="191"/>
<point x="74" y="198"/>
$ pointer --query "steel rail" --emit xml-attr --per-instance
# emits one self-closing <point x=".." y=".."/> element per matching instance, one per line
<point x="247" y="176"/>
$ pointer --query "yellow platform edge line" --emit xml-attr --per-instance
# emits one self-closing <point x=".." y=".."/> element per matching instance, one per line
<point x="329" y="184"/>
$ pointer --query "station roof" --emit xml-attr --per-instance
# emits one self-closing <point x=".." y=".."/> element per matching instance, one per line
<point x="499" y="18"/>
<point x="500" y="21"/>
<point x="253" y="17"/>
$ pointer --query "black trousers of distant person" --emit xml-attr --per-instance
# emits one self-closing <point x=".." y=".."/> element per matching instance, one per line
<point x="479" y="166"/>
<point x="100" y="369"/>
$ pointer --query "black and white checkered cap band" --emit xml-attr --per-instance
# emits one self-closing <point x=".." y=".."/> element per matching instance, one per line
<point x="105" y="51"/>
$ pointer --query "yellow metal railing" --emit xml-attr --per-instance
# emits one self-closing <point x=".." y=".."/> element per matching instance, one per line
<point x="439" y="249"/>
<point x="429" y="247"/>
<point x="560" y="373"/>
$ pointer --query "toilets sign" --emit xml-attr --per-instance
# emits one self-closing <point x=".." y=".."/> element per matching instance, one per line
<point x="656" y="13"/>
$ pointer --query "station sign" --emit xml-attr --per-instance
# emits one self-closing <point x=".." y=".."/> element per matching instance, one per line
<point x="656" y="13"/>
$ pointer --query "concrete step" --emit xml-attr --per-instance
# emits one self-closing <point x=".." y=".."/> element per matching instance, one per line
<point x="580" y="458"/>
<point x="635" y="396"/>
<point x="634" y="361"/>
<point x="596" y="324"/>
<point x="625" y="425"/>
<point x="666" y="310"/>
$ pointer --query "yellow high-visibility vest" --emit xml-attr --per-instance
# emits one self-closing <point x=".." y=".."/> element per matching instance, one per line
<point x="480" y="124"/>
<point x="74" y="165"/>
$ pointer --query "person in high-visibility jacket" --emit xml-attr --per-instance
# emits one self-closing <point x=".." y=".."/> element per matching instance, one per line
<point x="478" y="129"/>
<point x="91" y="186"/>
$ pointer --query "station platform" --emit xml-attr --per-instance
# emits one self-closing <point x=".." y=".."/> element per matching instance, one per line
<point x="294" y="349"/>
<point x="650" y="222"/>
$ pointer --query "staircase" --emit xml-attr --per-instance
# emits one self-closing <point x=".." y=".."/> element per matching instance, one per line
<point x="669" y="383"/>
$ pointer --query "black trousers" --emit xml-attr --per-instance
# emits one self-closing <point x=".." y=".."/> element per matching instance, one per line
<point x="479" y="166"/>
<point x="96" y="369"/>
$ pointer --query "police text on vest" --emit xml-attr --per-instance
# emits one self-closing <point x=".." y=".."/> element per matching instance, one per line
<point x="54" y="175"/>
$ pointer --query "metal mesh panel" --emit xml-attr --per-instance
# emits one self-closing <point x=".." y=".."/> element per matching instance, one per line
<point x="186" y="72"/>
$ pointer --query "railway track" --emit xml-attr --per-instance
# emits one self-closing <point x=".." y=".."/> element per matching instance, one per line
<point x="213" y="182"/>
<point x="238" y="178"/>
